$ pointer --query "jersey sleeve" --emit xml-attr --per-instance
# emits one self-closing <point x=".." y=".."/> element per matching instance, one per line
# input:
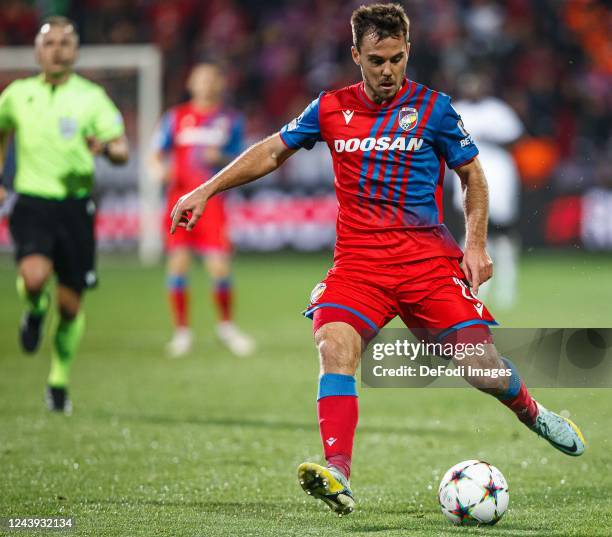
<point x="452" y="140"/>
<point x="304" y="131"/>
<point x="6" y="109"/>
<point x="235" y="142"/>
<point x="163" y="137"/>
<point x="107" y="121"/>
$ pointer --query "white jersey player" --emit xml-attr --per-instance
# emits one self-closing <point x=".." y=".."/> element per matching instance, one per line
<point x="494" y="125"/>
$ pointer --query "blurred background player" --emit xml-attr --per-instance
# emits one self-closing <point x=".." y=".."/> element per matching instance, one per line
<point x="194" y="140"/>
<point x="494" y="126"/>
<point x="60" y="121"/>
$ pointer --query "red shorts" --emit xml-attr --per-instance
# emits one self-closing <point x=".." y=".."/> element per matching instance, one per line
<point x="431" y="296"/>
<point x="208" y="236"/>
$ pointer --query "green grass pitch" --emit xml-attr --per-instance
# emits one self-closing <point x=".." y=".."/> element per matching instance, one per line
<point x="209" y="445"/>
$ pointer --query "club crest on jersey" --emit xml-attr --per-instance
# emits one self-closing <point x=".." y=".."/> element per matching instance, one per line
<point x="317" y="292"/>
<point x="68" y="127"/>
<point x="408" y="118"/>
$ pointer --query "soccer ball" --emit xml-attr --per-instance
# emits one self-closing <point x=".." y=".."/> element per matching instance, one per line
<point x="473" y="492"/>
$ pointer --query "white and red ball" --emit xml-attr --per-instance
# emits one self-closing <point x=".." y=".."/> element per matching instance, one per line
<point x="473" y="492"/>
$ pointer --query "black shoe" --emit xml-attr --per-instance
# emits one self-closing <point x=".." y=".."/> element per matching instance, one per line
<point x="58" y="401"/>
<point x="29" y="331"/>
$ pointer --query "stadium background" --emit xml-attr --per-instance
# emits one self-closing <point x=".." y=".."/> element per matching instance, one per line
<point x="207" y="445"/>
<point x="550" y="60"/>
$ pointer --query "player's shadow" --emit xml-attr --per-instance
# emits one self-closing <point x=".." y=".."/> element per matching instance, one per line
<point x="204" y="507"/>
<point x="225" y="421"/>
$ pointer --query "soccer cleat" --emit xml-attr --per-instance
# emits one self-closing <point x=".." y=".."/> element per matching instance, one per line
<point x="234" y="339"/>
<point x="560" y="432"/>
<point x="327" y="485"/>
<point x="181" y="343"/>
<point x="58" y="401"/>
<point x="29" y="331"/>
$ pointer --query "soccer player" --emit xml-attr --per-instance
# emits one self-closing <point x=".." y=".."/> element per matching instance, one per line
<point x="390" y="138"/>
<point x="194" y="140"/>
<point x="60" y="121"/>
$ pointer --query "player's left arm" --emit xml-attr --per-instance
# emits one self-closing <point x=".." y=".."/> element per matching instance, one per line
<point x="116" y="150"/>
<point x="459" y="151"/>
<point x="3" y="150"/>
<point x="107" y="133"/>
<point x="477" y="264"/>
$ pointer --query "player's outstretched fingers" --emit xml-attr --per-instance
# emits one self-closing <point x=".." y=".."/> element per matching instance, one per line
<point x="485" y="270"/>
<point x="195" y="216"/>
<point x="176" y="215"/>
<point x="475" y="284"/>
<point x="468" y="273"/>
<point x="488" y="271"/>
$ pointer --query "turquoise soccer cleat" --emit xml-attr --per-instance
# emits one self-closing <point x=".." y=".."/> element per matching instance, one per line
<point x="562" y="433"/>
<point x="327" y="485"/>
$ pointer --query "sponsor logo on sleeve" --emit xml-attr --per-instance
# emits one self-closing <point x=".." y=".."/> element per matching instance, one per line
<point x="468" y="138"/>
<point x="294" y="122"/>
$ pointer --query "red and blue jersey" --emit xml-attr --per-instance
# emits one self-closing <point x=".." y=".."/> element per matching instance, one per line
<point x="388" y="163"/>
<point x="186" y="132"/>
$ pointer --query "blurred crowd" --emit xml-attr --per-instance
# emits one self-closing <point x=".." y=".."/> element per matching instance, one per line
<point x="551" y="60"/>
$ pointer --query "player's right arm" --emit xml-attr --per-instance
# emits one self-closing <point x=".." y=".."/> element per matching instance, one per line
<point x="7" y="124"/>
<point x="259" y="160"/>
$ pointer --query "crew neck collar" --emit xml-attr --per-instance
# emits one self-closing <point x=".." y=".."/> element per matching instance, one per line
<point x="385" y="104"/>
<point x="43" y="80"/>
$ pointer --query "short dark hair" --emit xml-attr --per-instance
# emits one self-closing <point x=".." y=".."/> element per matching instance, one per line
<point x="382" y="20"/>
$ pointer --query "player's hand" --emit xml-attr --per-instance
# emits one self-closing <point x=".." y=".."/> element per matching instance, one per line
<point x="160" y="172"/>
<point x="213" y="156"/>
<point x="188" y="209"/>
<point x="95" y="145"/>
<point x="116" y="151"/>
<point x="477" y="266"/>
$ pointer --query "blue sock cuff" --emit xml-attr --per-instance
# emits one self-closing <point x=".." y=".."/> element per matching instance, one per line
<point x="176" y="281"/>
<point x="515" y="381"/>
<point x="222" y="284"/>
<point x="336" y="384"/>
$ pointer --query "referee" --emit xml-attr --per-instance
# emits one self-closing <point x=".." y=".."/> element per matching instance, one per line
<point x="60" y="121"/>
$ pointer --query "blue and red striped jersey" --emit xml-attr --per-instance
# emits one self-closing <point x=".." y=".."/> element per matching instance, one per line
<point x="185" y="132"/>
<point x="389" y="166"/>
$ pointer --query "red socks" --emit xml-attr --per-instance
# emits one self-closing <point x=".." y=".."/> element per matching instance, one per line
<point x="338" y="411"/>
<point x="523" y="405"/>
<point x="518" y="399"/>
<point x="222" y="295"/>
<point x="178" y="295"/>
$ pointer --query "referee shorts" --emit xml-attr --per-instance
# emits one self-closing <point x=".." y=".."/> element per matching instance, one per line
<point x="61" y="230"/>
